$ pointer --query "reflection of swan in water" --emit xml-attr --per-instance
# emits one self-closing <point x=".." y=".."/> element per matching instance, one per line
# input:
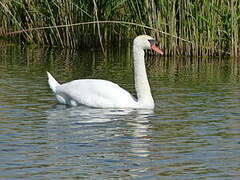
<point x="140" y="131"/>
<point x="126" y="130"/>
<point x="85" y="114"/>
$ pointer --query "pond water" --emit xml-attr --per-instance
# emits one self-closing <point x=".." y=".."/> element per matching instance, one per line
<point x="193" y="133"/>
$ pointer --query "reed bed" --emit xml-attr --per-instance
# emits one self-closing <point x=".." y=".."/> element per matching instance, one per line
<point x="186" y="27"/>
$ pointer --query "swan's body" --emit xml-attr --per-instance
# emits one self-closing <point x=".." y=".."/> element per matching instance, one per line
<point x="94" y="93"/>
<point x="105" y="94"/>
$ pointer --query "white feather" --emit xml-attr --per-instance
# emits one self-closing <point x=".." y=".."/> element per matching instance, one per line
<point x="52" y="82"/>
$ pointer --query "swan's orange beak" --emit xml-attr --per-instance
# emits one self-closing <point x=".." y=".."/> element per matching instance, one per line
<point x="155" y="48"/>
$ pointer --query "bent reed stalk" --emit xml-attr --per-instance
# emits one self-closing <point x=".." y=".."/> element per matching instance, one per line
<point x="187" y="27"/>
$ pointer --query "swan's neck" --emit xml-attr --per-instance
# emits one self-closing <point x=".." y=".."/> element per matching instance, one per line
<point x="141" y="81"/>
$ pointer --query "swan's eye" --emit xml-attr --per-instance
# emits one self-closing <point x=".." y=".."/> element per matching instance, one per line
<point x="152" y="42"/>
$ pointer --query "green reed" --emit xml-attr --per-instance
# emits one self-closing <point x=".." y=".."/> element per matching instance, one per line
<point x="208" y="27"/>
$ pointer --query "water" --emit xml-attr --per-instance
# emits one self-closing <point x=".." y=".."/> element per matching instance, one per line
<point x="193" y="133"/>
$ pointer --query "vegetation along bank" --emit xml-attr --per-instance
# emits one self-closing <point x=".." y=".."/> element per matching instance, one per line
<point x="188" y="27"/>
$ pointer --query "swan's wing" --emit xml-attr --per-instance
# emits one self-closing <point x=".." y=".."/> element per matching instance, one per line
<point x="95" y="93"/>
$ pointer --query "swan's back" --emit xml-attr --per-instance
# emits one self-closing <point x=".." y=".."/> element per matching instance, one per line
<point x="94" y="93"/>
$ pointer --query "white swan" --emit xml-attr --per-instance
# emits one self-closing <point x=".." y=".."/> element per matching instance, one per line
<point x="105" y="94"/>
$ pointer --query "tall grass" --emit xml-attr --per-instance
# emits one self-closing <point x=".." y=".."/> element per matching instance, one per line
<point x="209" y="27"/>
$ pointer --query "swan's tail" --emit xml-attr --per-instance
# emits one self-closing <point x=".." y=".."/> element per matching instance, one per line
<point x="52" y="82"/>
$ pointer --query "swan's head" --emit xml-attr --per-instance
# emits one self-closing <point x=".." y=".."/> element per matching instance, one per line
<point x="146" y="42"/>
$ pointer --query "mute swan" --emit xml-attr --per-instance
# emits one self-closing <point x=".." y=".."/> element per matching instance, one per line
<point x="105" y="94"/>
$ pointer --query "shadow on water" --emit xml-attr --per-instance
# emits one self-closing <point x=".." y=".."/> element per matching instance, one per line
<point x="193" y="133"/>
